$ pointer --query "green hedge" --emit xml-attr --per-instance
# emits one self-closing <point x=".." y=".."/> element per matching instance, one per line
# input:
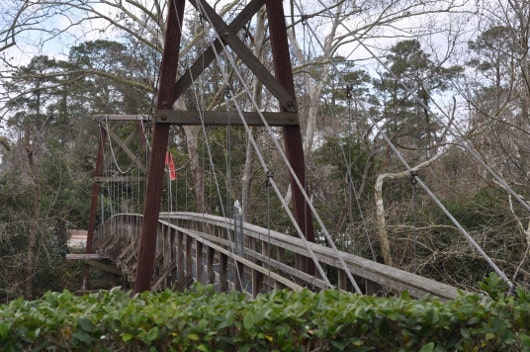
<point x="202" y="320"/>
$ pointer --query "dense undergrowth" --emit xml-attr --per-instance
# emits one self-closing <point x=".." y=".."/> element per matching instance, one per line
<point x="202" y="320"/>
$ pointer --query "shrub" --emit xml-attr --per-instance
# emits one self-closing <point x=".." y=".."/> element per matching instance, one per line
<point x="203" y="320"/>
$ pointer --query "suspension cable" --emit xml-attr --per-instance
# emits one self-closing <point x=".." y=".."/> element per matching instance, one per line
<point x="349" y="162"/>
<point x="212" y="166"/>
<point x="456" y="134"/>
<point x="294" y="176"/>
<point x="414" y="183"/>
<point x="228" y="156"/>
<point x="267" y="186"/>
<point x="114" y="159"/>
<point x="433" y="197"/>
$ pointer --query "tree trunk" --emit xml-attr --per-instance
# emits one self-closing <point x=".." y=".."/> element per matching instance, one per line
<point x="384" y="242"/>
<point x="192" y="141"/>
<point x="259" y="38"/>
<point x="34" y="221"/>
<point x="314" y="91"/>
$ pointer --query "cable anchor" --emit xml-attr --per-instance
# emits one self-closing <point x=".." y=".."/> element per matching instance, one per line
<point x="349" y="91"/>
<point x="413" y="179"/>
<point x="228" y="91"/>
<point x="268" y="179"/>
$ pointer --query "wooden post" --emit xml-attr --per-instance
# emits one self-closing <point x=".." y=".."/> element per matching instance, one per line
<point x="189" y="256"/>
<point x="342" y="280"/>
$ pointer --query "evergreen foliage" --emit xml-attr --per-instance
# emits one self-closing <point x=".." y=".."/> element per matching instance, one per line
<point x="202" y="320"/>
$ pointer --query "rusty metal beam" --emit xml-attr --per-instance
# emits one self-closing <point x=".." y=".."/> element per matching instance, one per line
<point x="285" y="97"/>
<point x="100" y="118"/>
<point x="282" y="87"/>
<point x="105" y="179"/>
<point x="225" y="118"/>
<point x="123" y="145"/>
<point x="293" y="136"/>
<point x="166" y="98"/>
<point x="209" y="54"/>
<point x="96" y="187"/>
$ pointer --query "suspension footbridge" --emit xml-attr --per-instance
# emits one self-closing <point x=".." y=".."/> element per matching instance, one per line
<point x="157" y="250"/>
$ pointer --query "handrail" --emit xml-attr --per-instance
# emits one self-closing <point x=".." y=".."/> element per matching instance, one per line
<point x="393" y="278"/>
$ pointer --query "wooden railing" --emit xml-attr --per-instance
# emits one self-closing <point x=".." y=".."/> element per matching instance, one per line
<point x="204" y="246"/>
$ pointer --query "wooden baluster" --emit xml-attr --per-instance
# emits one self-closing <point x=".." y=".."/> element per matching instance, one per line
<point x="223" y="271"/>
<point x="189" y="259"/>
<point x="199" y="256"/>
<point x="180" y="256"/>
<point x="343" y="280"/>
<point x="210" y="253"/>
<point x="257" y="279"/>
<point x="172" y="255"/>
<point x="240" y="279"/>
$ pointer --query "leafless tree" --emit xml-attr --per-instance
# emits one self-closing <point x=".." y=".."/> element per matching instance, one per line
<point x="12" y="20"/>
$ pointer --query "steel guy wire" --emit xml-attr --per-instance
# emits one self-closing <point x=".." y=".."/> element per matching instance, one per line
<point x="457" y="135"/>
<point x="212" y="165"/>
<point x="260" y="156"/>
<point x="435" y="199"/>
<point x="290" y="169"/>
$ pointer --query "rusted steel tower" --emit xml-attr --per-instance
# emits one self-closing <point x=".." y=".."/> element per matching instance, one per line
<point x="170" y="89"/>
<point x="106" y="132"/>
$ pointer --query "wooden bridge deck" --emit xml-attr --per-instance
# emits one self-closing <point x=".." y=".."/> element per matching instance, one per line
<point x="203" y="246"/>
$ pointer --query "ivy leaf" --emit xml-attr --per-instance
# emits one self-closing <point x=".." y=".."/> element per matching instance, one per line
<point x="428" y="347"/>
<point x="193" y="337"/>
<point x="525" y="340"/>
<point x="83" y="337"/>
<point x="4" y="330"/>
<point x="151" y="335"/>
<point x="85" y="324"/>
<point x="405" y="296"/>
<point x="248" y="321"/>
